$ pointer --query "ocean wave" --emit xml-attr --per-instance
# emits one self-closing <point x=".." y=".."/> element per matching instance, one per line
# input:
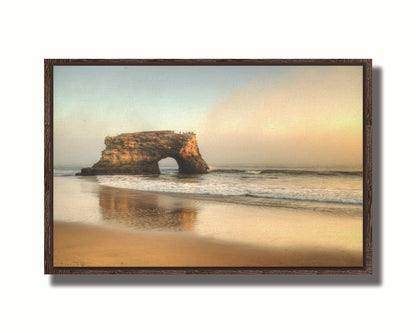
<point x="167" y="185"/>
<point x="61" y="172"/>
<point x="327" y="200"/>
<point x="291" y="172"/>
<point x="226" y="171"/>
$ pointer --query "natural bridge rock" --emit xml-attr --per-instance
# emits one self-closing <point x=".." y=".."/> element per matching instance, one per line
<point x="139" y="153"/>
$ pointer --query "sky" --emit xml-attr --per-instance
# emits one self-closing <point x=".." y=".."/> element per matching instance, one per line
<point x="266" y="115"/>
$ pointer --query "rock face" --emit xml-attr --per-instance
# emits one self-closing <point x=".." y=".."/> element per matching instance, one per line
<point x="139" y="153"/>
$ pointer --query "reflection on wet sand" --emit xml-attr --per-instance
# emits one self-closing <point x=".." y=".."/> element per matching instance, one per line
<point x="145" y="211"/>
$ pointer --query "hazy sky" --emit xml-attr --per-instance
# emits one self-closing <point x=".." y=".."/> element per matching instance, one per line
<point x="275" y="115"/>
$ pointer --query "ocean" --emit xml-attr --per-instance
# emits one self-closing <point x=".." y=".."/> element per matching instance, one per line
<point x="331" y="190"/>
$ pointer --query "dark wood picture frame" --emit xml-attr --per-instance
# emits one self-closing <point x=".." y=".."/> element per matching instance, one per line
<point x="49" y="268"/>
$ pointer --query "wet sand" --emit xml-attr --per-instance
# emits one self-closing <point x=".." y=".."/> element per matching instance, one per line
<point x="100" y="226"/>
<point x="81" y="245"/>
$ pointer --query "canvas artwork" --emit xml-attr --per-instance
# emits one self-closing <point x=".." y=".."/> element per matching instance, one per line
<point x="195" y="165"/>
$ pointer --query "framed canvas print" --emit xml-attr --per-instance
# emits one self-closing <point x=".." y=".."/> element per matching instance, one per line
<point x="208" y="166"/>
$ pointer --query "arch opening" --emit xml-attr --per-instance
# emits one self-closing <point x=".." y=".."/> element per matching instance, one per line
<point x="168" y="165"/>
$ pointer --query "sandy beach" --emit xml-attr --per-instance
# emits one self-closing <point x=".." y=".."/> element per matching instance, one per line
<point x="80" y="245"/>
<point x="97" y="225"/>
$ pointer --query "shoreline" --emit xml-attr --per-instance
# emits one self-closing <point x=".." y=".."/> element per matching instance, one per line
<point x="348" y="209"/>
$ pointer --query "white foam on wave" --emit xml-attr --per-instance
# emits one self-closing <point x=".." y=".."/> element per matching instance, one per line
<point x="227" y="187"/>
<point x="164" y="185"/>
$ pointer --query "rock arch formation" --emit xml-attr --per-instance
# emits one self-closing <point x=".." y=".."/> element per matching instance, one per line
<point x="139" y="153"/>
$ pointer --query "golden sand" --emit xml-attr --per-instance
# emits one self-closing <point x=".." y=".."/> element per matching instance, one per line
<point x="78" y="245"/>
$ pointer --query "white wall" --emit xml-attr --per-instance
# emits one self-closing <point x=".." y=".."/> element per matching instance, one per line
<point x="33" y="30"/>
